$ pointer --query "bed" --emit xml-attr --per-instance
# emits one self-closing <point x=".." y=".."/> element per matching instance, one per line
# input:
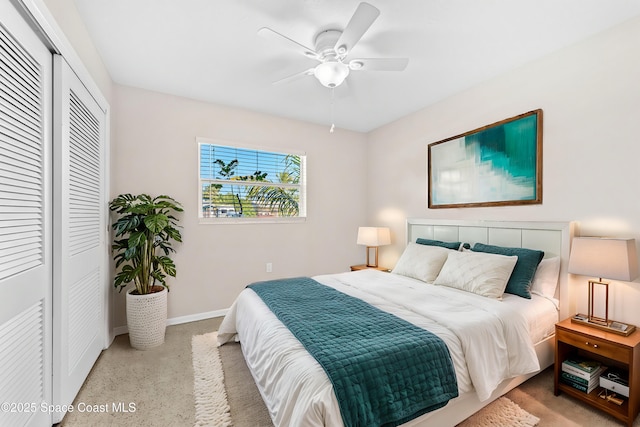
<point x="495" y="342"/>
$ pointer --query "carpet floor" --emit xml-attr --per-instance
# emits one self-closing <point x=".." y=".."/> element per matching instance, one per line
<point x="160" y="385"/>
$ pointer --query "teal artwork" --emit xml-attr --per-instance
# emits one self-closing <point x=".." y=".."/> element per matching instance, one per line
<point x="499" y="164"/>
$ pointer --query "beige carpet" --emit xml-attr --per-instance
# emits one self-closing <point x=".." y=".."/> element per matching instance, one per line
<point x="218" y="407"/>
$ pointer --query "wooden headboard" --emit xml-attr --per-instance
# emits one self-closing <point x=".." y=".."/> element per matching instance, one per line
<point x="554" y="238"/>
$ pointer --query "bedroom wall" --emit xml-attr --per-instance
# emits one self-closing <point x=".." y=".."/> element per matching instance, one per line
<point x="155" y="151"/>
<point x="590" y="96"/>
<point x="68" y="19"/>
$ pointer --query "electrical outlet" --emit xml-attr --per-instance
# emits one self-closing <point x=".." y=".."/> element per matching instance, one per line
<point x="269" y="267"/>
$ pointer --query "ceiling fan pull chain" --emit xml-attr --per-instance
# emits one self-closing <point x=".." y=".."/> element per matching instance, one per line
<point x="333" y="126"/>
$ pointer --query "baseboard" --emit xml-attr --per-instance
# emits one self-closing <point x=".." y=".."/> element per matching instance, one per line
<point x="179" y="320"/>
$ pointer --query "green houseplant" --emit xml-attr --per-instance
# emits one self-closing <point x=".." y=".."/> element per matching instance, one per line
<point x="144" y="231"/>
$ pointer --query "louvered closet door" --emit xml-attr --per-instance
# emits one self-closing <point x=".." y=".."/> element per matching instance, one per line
<point x="79" y="237"/>
<point x="25" y="223"/>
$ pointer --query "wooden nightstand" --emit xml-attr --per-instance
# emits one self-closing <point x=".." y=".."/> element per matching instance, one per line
<point x="612" y="350"/>
<point x="364" y="266"/>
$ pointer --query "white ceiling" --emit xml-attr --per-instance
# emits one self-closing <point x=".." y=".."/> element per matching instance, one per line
<point x="209" y="50"/>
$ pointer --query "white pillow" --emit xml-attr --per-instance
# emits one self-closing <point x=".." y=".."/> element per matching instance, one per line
<point x="478" y="272"/>
<point x="545" y="280"/>
<point x="421" y="262"/>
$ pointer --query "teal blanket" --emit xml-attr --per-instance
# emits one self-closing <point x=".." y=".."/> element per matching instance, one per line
<point x="385" y="371"/>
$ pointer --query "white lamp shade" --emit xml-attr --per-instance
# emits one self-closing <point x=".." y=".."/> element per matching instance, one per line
<point x="613" y="259"/>
<point x="373" y="236"/>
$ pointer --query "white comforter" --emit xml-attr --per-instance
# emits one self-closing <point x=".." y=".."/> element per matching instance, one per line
<point x="488" y="341"/>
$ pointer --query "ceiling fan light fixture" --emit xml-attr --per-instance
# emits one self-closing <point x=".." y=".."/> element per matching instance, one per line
<point x="331" y="73"/>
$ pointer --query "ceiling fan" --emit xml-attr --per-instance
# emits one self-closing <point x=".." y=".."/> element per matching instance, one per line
<point x="332" y="48"/>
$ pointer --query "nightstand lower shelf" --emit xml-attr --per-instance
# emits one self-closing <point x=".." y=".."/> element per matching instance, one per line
<point x="618" y="411"/>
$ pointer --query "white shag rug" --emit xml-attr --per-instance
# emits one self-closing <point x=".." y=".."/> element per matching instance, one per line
<point x="212" y="407"/>
<point x="501" y="413"/>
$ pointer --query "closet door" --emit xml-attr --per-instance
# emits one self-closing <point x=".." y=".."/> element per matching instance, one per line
<point x="25" y="223"/>
<point x="80" y="211"/>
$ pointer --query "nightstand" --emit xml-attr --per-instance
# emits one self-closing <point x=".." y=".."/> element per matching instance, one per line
<point x="612" y="350"/>
<point x="364" y="267"/>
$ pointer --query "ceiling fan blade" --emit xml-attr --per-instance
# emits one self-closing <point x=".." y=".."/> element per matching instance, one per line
<point x="295" y="77"/>
<point x="360" y="22"/>
<point x="286" y="42"/>
<point x="378" y="64"/>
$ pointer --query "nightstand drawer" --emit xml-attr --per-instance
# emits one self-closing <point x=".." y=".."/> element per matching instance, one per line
<point x="595" y="345"/>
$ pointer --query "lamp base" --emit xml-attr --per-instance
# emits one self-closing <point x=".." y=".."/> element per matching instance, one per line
<point x="375" y="257"/>
<point x="610" y="326"/>
<point x="602" y="321"/>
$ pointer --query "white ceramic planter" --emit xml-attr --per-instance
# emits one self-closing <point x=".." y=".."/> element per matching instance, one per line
<point x="147" y="319"/>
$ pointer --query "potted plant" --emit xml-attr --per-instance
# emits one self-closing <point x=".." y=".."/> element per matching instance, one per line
<point x="144" y="231"/>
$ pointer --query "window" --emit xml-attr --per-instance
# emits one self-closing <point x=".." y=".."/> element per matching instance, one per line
<point x="248" y="184"/>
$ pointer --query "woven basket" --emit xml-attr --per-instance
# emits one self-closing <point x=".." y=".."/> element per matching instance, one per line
<point x="147" y="319"/>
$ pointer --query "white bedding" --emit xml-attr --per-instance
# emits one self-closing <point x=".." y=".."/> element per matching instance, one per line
<point x="540" y="313"/>
<point x="489" y="340"/>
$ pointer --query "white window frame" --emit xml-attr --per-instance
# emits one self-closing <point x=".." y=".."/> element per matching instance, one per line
<point x="302" y="203"/>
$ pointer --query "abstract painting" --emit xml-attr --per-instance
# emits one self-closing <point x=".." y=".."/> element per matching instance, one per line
<point x="497" y="165"/>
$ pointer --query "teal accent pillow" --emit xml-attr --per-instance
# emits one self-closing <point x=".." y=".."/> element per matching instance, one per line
<point x="449" y="245"/>
<point x="528" y="259"/>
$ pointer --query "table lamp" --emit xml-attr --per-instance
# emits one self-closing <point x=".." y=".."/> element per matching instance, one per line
<point x="372" y="237"/>
<point x="608" y="258"/>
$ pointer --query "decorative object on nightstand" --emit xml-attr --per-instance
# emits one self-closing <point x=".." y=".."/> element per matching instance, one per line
<point x="372" y="237"/>
<point x="613" y="259"/>
<point x="616" y="381"/>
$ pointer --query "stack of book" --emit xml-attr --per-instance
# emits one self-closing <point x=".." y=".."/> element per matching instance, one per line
<point x="581" y="374"/>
